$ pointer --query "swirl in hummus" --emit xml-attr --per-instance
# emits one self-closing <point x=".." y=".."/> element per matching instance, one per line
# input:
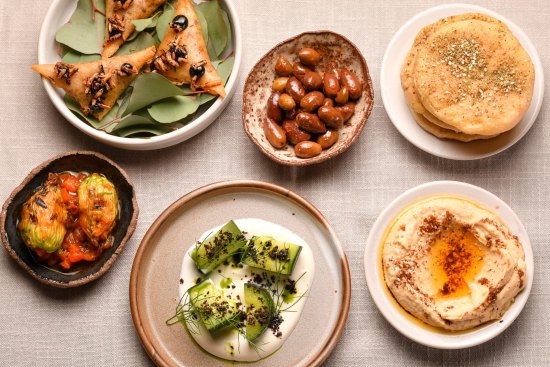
<point x="452" y="263"/>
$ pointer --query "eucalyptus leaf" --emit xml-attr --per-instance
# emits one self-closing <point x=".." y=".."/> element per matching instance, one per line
<point x="224" y="69"/>
<point x="143" y="24"/>
<point x="174" y="109"/>
<point x="142" y="41"/>
<point x="148" y="89"/>
<point x="73" y="57"/>
<point x="151" y="130"/>
<point x="164" y="20"/>
<point x="130" y="121"/>
<point x="217" y="30"/>
<point x="228" y="28"/>
<point x="204" y="24"/>
<point x="84" y="31"/>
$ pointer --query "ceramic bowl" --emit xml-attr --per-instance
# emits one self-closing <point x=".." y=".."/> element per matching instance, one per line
<point x="401" y="116"/>
<point x="405" y="323"/>
<point x="336" y="49"/>
<point x="75" y="161"/>
<point x="155" y="277"/>
<point x="59" y="13"/>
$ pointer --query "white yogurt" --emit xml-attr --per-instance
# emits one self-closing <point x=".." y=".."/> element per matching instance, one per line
<point x="231" y="345"/>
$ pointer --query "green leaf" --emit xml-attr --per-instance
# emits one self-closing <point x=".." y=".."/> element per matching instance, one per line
<point x="224" y="70"/>
<point x="148" y="89"/>
<point x="83" y="33"/>
<point x="132" y="125"/>
<point x="228" y="28"/>
<point x="72" y="57"/>
<point x="142" y="41"/>
<point x="217" y="30"/>
<point x="203" y="22"/>
<point x="164" y="20"/>
<point x="143" y="24"/>
<point x="174" y="109"/>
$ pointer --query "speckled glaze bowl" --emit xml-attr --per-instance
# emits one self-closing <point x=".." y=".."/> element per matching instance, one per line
<point x="336" y="50"/>
<point x="70" y="161"/>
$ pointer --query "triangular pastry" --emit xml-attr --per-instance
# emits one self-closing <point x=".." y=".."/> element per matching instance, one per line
<point x="96" y="85"/>
<point x="118" y="21"/>
<point x="182" y="56"/>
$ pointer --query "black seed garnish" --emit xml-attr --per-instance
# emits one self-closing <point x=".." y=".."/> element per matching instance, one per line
<point x="179" y="23"/>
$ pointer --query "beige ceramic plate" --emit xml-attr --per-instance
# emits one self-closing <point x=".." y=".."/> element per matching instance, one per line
<point x="338" y="51"/>
<point x="155" y="274"/>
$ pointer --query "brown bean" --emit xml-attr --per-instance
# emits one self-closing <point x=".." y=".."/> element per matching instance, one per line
<point x="331" y="85"/>
<point x="293" y="132"/>
<point x="312" y="101"/>
<point x="298" y="70"/>
<point x="347" y="110"/>
<point x="274" y="133"/>
<point x="283" y="67"/>
<point x="309" y="56"/>
<point x="312" y="80"/>
<point x="295" y="88"/>
<point x="310" y="122"/>
<point x="328" y="102"/>
<point x="286" y="102"/>
<point x="291" y="115"/>
<point x="273" y="110"/>
<point x="352" y="82"/>
<point x="336" y="72"/>
<point x="279" y="84"/>
<point x="331" y="117"/>
<point x="307" y="149"/>
<point x="328" y="139"/>
<point x="342" y="96"/>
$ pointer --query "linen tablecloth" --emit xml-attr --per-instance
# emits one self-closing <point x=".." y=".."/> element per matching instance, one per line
<point x="92" y="326"/>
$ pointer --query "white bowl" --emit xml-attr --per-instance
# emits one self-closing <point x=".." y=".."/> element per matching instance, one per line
<point x="399" y="113"/>
<point x="391" y="310"/>
<point x="59" y="13"/>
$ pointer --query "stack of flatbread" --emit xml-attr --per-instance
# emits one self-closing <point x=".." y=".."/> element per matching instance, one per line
<point x="181" y="57"/>
<point x="467" y="77"/>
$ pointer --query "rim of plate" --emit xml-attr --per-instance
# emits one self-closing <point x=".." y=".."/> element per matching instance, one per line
<point x="156" y="142"/>
<point x="147" y="337"/>
<point x="398" y="110"/>
<point x="390" y="309"/>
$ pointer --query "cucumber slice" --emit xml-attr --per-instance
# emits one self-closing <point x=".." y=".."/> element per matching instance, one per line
<point x="216" y="311"/>
<point x="272" y="255"/>
<point x="259" y="310"/>
<point x="215" y="249"/>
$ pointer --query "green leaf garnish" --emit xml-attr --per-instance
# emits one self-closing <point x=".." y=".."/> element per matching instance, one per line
<point x="217" y="30"/>
<point x="164" y="20"/>
<point x="148" y="89"/>
<point x="142" y="41"/>
<point x="143" y="24"/>
<point x="174" y="108"/>
<point x="84" y="31"/>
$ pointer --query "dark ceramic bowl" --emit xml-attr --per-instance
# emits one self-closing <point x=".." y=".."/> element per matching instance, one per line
<point x="70" y="161"/>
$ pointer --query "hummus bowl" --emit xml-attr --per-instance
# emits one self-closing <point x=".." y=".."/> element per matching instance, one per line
<point x="411" y="326"/>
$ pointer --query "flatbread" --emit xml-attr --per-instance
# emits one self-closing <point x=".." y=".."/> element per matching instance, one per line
<point x="443" y="133"/>
<point x="407" y="70"/>
<point x="475" y="76"/>
<point x="118" y="21"/>
<point x="190" y="44"/>
<point x="96" y="85"/>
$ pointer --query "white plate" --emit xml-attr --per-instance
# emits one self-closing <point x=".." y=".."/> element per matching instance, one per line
<point x="389" y="307"/>
<point x="400" y="115"/>
<point x="59" y="13"/>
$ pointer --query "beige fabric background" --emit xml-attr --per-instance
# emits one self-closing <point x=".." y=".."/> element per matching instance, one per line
<point x="91" y="326"/>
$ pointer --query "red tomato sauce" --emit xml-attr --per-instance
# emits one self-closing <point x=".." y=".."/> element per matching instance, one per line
<point x="76" y="247"/>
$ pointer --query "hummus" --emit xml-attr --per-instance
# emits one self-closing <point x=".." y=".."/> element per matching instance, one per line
<point x="452" y="263"/>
